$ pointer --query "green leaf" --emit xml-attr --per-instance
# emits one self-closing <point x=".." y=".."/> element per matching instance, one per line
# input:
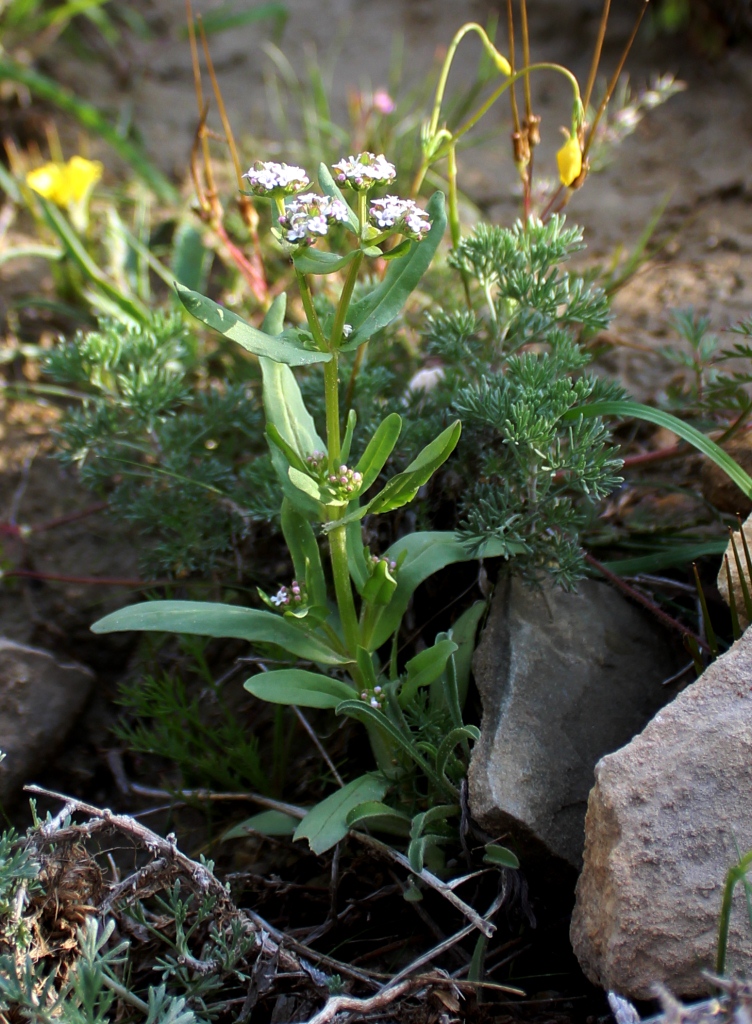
<point x="274" y="437"/>
<point x="679" y="554"/>
<point x="330" y="188"/>
<point x="380" y="586"/>
<point x="425" y="668"/>
<point x="356" y="559"/>
<point x="403" y="487"/>
<point x="205" y="618"/>
<point x="268" y="823"/>
<point x="463" y="633"/>
<point x="450" y="741"/>
<point x="635" y="410"/>
<point x="364" y="713"/>
<point x="274" y="321"/>
<point x="397" y="251"/>
<point x="305" y="553"/>
<point x="379" y="448"/>
<point x="190" y="258"/>
<point x="385" y="302"/>
<point x="297" y="686"/>
<point x="285" y="409"/>
<point x="500" y="856"/>
<point x="424" y="554"/>
<point x="312" y="261"/>
<point x="280" y="349"/>
<point x="380" y="816"/>
<point x="326" y="823"/>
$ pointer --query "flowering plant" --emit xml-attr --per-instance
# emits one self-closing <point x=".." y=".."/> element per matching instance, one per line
<point x="343" y="637"/>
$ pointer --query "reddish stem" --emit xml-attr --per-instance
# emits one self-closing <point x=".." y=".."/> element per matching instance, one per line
<point x="656" y="456"/>
<point x="652" y="607"/>
<point x="248" y="268"/>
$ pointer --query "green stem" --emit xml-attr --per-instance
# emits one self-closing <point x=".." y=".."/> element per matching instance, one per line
<point x="343" y="591"/>
<point x="310" y="312"/>
<point x="454" y="206"/>
<point x="340" y="317"/>
<point x="331" y="396"/>
<point x="441" y="87"/>
<point x="735" y="874"/>
<point x="485" y="107"/>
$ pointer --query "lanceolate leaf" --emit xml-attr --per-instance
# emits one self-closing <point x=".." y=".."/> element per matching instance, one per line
<point x="378" y="815"/>
<point x="634" y="410"/>
<point x="384" y="304"/>
<point x="326" y="823"/>
<point x="403" y="487"/>
<point x="205" y="618"/>
<point x="312" y="261"/>
<point x="379" y="448"/>
<point x="427" y="552"/>
<point x="296" y="686"/>
<point x="304" y="550"/>
<point x="426" y="667"/>
<point x="280" y="349"/>
<point x="268" y="823"/>
<point x="285" y="408"/>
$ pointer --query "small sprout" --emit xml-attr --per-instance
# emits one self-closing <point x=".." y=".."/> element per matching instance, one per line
<point x="401" y="214"/>
<point x="274" y="180"/>
<point x="364" y="172"/>
<point x="309" y="216"/>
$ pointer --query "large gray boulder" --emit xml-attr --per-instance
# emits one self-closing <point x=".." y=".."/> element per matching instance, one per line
<point x="665" y="820"/>
<point x="40" y="700"/>
<point x="564" y="678"/>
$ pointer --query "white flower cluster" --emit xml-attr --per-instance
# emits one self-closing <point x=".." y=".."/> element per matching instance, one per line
<point x="404" y="214"/>
<point x="310" y="215"/>
<point x="267" y="178"/>
<point x="365" y="171"/>
<point x="374" y="697"/>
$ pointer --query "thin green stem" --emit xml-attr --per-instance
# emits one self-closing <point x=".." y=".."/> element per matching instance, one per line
<point x="485" y="107"/>
<point x="310" y="312"/>
<point x="526" y="59"/>
<point x="454" y="205"/>
<point x="446" y="67"/>
<point x="331" y="397"/>
<point x="735" y="874"/>
<point x="340" y="317"/>
<point x="357" y="363"/>
<point x="362" y="210"/>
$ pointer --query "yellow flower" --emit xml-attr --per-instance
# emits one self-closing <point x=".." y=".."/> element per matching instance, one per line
<point x="47" y="180"/>
<point x="501" y="63"/>
<point x="569" y="160"/>
<point x="65" y="183"/>
<point x="81" y="176"/>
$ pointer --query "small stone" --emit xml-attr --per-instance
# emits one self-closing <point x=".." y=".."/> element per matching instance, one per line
<point x="40" y="700"/>
<point x="718" y="488"/>
<point x="667" y="818"/>
<point x="564" y="678"/>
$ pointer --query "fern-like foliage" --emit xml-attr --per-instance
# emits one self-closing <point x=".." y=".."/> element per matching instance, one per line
<point x="182" y="459"/>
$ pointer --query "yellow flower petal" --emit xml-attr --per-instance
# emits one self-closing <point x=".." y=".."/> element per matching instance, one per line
<point x="569" y="160"/>
<point x="81" y="176"/>
<point x="48" y="181"/>
<point x="502" y="63"/>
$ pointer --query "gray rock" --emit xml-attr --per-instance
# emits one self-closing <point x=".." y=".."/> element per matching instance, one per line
<point x="40" y="700"/>
<point x="564" y="679"/>
<point x="665" y="820"/>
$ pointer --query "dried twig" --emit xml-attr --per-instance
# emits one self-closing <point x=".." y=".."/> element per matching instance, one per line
<point x="387" y="995"/>
<point x="483" y="926"/>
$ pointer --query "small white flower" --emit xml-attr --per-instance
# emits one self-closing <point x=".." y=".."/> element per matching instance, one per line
<point x="365" y="171"/>
<point x="403" y="214"/>
<point x="267" y="178"/>
<point x="346" y="330"/>
<point x="310" y="215"/>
